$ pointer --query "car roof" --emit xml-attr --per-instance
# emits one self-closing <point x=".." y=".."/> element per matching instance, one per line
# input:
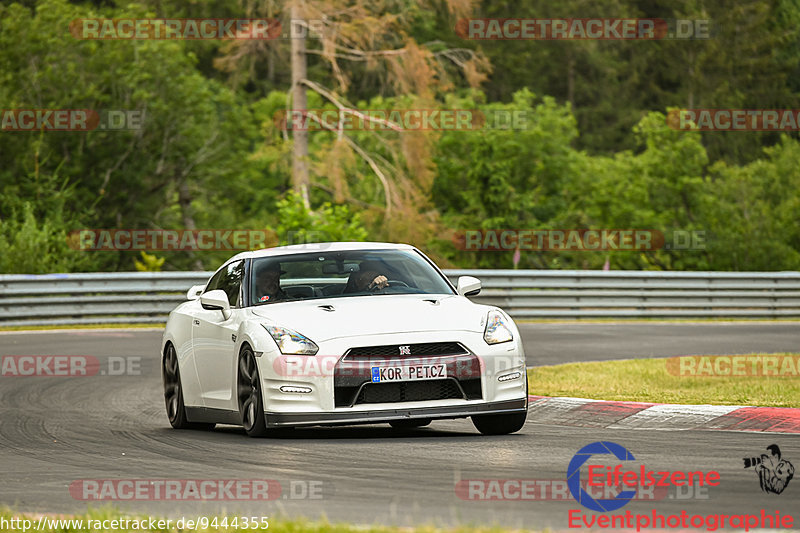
<point x="320" y="247"/>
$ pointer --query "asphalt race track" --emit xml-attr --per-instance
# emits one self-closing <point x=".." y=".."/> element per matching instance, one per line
<point x="551" y="344"/>
<point x="55" y="431"/>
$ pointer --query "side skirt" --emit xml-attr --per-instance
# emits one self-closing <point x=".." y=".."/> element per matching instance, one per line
<point x="213" y="416"/>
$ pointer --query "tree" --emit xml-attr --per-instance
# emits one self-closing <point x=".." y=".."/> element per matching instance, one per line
<point x="348" y="40"/>
<point x="195" y="134"/>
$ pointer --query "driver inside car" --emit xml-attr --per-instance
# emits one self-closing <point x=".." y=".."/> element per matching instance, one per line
<point x="367" y="278"/>
<point x="268" y="284"/>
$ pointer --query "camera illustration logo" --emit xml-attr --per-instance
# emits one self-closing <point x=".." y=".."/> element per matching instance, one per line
<point x="774" y="472"/>
<point x="574" y="477"/>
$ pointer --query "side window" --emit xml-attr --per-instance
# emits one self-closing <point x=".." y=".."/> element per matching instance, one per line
<point x="230" y="281"/>
<point x="214" y="282"/>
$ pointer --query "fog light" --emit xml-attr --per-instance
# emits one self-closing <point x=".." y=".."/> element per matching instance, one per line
<point x="295" y="390"/>
<point x="509" y="377"/>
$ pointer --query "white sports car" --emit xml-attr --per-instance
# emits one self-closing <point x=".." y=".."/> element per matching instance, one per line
<point x="340" y="333"/>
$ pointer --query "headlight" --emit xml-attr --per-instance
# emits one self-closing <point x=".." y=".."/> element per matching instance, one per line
<point x="290" y="342"/>
<point x="496" y="329"/>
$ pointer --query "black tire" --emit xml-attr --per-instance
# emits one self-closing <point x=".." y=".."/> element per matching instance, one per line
<point x="410" y="423"/>
<point x="248" y="387"/>
<point x="173" y="393"/>
<point x="499" y="424"/>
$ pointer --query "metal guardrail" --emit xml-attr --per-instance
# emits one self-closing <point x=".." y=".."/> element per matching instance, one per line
<point x="639" y="294"/>
<point x="145" y="297"/>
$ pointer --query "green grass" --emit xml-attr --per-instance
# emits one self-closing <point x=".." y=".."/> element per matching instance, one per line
<point x="595" y="320"/>
<point x="275" y="525"/>
<point x="81" y="326"/>
<point x="647" y="380"/>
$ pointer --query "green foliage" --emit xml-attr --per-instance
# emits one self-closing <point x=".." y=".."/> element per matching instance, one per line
<point x="595" y="151"/>
<point x="532" y="179"/>
<point x="752" y="212"/>
<point x="37" y="246"/>
<point x="660" y="188"/>
<point x="749" y="61"/>
<point x="327" y="223"/>
<point x="195" y="139"/>
<point x="506" y="178"/>
<point x="149" y="262"/>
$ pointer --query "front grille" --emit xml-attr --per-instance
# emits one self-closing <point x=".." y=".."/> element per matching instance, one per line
<point x="471" y="388"/>
<point x="343" y="396"/>
<point x="409" y="391"/>
<point x="352" y="385"/>
<point x="420" y="349"/>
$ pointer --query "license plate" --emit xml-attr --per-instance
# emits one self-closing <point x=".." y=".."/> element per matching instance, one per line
<point x="381" y="374"/>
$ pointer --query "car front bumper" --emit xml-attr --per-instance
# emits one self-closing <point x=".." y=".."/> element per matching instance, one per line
<point x="388" y="415"/>
<point x="319" y="377"/>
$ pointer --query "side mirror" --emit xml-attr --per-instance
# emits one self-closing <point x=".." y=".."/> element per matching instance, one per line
<point x="469" y="286"/>
<point x="194" y="292"/>
<point x="216" y="299"/>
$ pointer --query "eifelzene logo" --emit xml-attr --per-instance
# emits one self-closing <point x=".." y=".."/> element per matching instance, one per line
<point x="774" y="472"/>
<point x="630" y="479"/>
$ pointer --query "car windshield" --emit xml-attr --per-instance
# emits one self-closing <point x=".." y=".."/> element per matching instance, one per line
<point x="343" y="274"/>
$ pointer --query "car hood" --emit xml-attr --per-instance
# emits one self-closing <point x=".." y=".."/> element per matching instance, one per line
<point x="375" y="315"/>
